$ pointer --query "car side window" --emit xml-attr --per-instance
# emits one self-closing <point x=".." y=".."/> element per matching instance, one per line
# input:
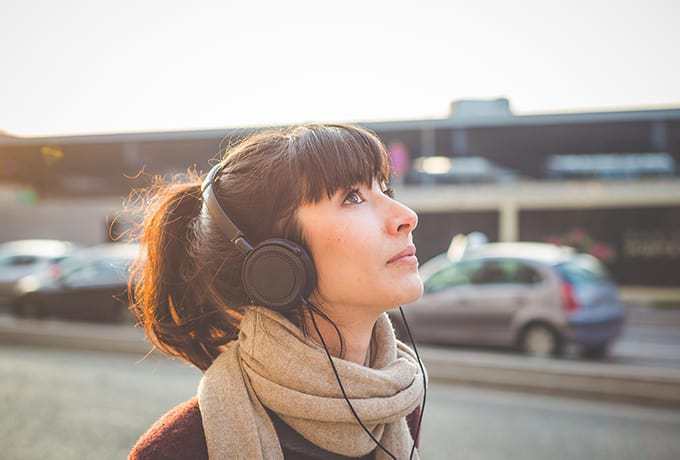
<point x="20" y="261"/>
<point x="457" y="274"/>
<point x="524" y="274"/>
<point x="505" y="271"/>
<point x="490" y="272"/>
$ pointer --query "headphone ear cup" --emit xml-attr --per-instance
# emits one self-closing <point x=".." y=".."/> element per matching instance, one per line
<point x="278" y="273"/>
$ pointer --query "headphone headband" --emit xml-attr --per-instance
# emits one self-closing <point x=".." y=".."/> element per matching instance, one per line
<point x="228" y="226"/>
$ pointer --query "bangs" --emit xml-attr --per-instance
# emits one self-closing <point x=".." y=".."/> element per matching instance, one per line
<point x="329" y="158"/>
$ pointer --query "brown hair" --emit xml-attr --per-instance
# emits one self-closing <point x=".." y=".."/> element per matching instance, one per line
<point x="188" y="294"/>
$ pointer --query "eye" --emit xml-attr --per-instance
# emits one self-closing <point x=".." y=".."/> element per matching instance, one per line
<point x="353" y="197"/>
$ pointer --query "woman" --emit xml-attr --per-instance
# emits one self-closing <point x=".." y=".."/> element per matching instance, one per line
<point x="333" y="252"/>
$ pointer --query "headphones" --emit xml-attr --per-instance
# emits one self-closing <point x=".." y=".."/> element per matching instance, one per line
<point x="277" y="273"/>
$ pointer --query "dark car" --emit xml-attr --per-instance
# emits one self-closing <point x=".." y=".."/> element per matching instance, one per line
<point x="90" y="284"/>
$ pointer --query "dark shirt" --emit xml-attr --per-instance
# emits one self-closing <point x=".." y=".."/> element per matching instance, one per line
<point x="296" y="447"/>
<point x="179" y="435"/>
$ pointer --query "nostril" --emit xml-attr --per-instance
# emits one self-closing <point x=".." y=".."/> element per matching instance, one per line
<point x="402" y="226"/>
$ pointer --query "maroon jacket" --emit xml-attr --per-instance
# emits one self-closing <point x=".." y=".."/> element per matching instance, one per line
<point x="179" y="435"/>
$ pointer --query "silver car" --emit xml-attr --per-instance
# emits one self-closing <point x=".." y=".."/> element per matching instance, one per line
<point x="89" y="284"/>
<point x="533" y="296"/>
<point x="23" y="257"/>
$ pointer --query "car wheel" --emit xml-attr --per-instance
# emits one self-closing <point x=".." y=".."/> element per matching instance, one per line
<point x="539" y="339"/>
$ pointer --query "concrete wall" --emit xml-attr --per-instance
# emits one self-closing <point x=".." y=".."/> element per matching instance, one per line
<point x="83" y="220"/>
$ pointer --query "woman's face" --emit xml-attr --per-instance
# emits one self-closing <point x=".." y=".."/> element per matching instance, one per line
<point x="355" y="239"/>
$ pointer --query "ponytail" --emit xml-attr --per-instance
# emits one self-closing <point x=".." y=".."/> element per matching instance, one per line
<point x="178" y="312"/>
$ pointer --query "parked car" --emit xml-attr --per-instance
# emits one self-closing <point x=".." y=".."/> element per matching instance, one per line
<point x="610" y="166"/>
<point x="457" y="170"/>
<point x="533" y="296"/>
<point x="23" y="257"/>
<point x="90" y="284"/>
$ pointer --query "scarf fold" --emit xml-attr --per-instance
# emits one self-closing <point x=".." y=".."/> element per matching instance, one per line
<point x="273" y="365"/>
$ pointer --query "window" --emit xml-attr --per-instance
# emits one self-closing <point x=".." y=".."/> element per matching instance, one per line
<point x="19" y="261"/>
<point x="505" y="271"/>
<point x="458" y="274"/>
<point x="583" y="269"/>
<point x="491" y="272"/>
<point x="483" y="272"/>
<point x="524" y="274"/>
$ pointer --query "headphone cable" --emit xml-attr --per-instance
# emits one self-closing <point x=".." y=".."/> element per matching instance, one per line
<point x="344" y="394"/>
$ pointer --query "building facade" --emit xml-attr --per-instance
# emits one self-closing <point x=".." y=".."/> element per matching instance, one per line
<point x="605" y="182"/>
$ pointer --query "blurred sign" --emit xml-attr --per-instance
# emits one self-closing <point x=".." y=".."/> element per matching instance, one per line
<point x="640" y="246"/>
<point x="51" y="155"/>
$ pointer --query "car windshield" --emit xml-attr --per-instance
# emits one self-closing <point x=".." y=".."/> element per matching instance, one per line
<point x="69" y="264"/>
<point x="76" y="262"/>
<point x="100" y="271"/>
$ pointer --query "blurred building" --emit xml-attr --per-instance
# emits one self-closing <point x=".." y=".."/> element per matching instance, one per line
<point x="607" y="182"/>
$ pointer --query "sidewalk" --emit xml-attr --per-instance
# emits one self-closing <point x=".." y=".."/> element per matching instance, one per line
<point x="600" y="380"/>
<point x="121" y="338"/>
<point x="643" y="315"/>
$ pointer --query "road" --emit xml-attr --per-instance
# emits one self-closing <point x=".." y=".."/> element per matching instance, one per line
<point x="59" y="404"/>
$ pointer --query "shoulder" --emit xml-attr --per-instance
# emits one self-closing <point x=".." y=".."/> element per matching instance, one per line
<point x="178" y="434"/>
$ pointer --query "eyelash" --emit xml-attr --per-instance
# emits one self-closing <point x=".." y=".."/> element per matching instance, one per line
<point x="388" y="191"/>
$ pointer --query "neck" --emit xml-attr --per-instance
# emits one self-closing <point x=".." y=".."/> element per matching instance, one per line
<point x="356" y="332"/>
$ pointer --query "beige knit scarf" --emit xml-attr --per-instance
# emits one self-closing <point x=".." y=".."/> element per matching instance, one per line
<point x="273" y="364"/>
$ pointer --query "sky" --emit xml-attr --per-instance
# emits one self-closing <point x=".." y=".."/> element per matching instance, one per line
<point x="80" y="67"/>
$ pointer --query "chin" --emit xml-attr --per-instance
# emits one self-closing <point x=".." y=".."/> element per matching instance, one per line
<point x="411" y="289"/>
<point x="417" y="292"/>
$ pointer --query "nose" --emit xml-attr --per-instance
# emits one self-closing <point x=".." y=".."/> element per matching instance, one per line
<point x="402" y="219"/>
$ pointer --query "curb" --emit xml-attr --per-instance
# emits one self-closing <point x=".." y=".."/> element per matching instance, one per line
<point x="69" y="335"/>
<point x="603" y="381"/>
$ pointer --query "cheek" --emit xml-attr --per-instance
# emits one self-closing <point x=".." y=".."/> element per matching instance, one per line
<point x="345" y="255"/>
<point x="346" y="245"/>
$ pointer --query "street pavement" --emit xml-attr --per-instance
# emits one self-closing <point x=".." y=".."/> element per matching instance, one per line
<point x="643" y="366"/>
<point x="74" y="404"/>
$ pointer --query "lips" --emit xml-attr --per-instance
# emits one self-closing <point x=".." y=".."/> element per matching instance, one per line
<point x="409" y="251"/>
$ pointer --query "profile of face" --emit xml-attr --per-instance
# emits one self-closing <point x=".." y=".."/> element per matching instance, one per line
<point x="360" y="241"/>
